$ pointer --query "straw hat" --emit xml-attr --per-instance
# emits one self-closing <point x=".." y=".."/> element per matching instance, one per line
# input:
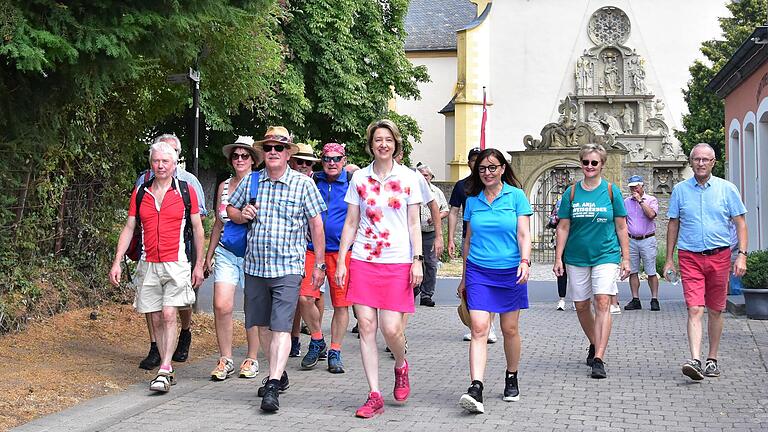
<point x="464" y="312"/>
<point x="305" y="152"/>
<point x="279" y="135"/>
<point x="244" y="142"/>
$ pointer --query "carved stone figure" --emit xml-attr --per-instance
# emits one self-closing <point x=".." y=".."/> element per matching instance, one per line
<point x="663" y="181"/>
<point x="627" y="118"/>
<point x="659" y="107"/>
<point x="612" y="79"/>
<point x="581" y="76"/>
<point x="612" y="123"/>
<point x="593" y="120"/>
<point x="637" y="72"/>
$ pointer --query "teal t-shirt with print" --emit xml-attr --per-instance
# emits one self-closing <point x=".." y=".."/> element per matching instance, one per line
<point x="592" y="238"/>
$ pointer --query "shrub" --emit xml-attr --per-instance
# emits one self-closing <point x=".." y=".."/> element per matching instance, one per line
<point x="757" y="270"/>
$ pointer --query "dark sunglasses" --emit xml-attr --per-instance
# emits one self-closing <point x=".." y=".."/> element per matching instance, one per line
<point x="336" y="159"/>
<point x="303" y="162"/>
<point x="268" y="147"/>
<point x="590" y="162"/>
<point x="242" y="156"/>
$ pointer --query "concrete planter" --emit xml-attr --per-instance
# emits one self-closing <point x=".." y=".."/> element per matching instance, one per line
<point x="756" y="302"/>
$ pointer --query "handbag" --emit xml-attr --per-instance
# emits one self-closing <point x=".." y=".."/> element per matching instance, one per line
<point x="234" y="238"/>
<point x="463" y="311"/>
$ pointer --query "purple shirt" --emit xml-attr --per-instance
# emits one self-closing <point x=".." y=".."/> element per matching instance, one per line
<point x="638" y="223"/>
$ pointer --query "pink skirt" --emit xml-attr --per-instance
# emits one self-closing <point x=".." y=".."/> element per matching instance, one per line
<point x="380" y="286"/>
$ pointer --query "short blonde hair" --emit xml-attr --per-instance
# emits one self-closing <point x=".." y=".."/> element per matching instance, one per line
<point x="387" y="124"/>
<point x="593" y="148"/>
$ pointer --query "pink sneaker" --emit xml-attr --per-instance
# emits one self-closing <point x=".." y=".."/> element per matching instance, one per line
<point x="402" y="385"/>
<point x="373" y="406"/>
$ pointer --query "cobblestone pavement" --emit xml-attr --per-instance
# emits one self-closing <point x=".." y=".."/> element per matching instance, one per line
<point x="644" y="390"/>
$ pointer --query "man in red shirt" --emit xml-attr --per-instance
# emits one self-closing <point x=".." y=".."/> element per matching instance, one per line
<point x="163" y="282"/>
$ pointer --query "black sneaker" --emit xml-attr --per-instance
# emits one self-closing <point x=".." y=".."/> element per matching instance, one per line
<point x="634" y="304"/>
<point x="295" y="347"/>
<point x="472" y="400"/>
<point x="655" y="305"/>
<point x="711" y="369"/>
<point x="182" y="347"/>
<point x="152" y="360"/>
<point x="692" y="369"/>
<point x="511" y="389"/>
<point x="355" y="329"/>
<point x="590" y="354"/>
<point x="598" y="369"/>
<point x="304" y="329"/>
<point x="284" y="384"/>
<point x="426" y="301"/>
<point x="270" y="401"/>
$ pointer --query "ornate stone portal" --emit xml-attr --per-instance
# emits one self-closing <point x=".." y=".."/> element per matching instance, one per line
<point x="611" y="104"/>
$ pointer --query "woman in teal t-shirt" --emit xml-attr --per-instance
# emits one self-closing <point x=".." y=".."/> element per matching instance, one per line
<point x="593" y="242"/>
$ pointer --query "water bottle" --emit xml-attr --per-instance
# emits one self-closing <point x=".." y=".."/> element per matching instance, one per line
<point x="671" y="276"/>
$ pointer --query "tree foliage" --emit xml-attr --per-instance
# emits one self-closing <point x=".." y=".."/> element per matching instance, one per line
<point x="704" y="122"/>
<point x="83" y="86"/>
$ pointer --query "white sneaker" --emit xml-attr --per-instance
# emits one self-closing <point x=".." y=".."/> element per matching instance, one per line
<point x="615" y="309"/>
<point x="468" y="337"/>
<point x="492" y="338"/>
<point x="561" y="305"/>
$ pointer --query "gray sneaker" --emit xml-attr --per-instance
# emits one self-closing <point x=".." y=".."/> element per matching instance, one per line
<point x="223" y="370"/>
<point x="711" y="369"/>
<point x="692" y="369"/>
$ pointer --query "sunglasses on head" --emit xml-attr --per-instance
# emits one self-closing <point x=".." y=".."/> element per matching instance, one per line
<point x="586" y="162"/>
<point x="303" y="162"/>
<point x="242" y="156"/>
<point x="268" y="147"/>
<point x="336" y="159"/>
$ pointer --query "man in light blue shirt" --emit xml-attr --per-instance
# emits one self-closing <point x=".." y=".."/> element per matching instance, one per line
<point x="701" y="210"/>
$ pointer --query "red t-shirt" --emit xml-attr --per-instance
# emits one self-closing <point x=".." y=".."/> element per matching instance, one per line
<point x="162" y="231"/>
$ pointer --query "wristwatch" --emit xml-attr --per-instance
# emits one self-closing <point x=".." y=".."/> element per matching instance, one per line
<point x="418" y="257"/>
<point x="527" y="261"/>
<point x="321" y="266"/>
<point x="743" y="252"/>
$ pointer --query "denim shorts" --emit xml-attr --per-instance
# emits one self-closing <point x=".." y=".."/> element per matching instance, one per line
<point x="228" y="268"/>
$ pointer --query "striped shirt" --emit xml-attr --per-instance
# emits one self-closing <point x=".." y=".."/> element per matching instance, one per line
<point x="277" y="242"/>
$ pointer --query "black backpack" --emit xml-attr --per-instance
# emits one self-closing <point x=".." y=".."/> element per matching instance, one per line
<point x="135" y="247"/>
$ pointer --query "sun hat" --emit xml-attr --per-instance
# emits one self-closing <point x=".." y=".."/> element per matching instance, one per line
<point x="244" y="142"/>
<point x="279" y="135"/>
<point x="305" y="152"/>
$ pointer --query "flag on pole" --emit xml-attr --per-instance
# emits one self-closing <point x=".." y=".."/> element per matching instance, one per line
<point x="482" y="124"/>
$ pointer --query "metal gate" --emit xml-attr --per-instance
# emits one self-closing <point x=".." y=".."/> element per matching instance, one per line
<point x="544" y="195"/>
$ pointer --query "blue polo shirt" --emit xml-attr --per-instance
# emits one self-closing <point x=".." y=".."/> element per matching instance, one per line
<point x="333" y="194"/>
<point x="493" y="243"/>
<point x="705" y="213"/>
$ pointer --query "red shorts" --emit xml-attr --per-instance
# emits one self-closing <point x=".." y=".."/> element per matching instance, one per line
<point x="705" y="278"/>
<point x="338" y="293"/>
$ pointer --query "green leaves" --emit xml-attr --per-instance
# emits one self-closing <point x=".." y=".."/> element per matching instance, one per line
<point x="705" y="120"/>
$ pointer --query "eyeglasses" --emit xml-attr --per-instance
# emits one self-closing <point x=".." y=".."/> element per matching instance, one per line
<point x="587" y="162"/>
<point x="328" y="159"/>
<point x="299" y="162"/>
<point x="268" y="147"/>
<point x="491" y="168"/>
<point x="242" y="156"/>
<point x="702" y="161"/>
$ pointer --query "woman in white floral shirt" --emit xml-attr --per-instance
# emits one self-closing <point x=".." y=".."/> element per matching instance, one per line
<point x="383" y="226"/>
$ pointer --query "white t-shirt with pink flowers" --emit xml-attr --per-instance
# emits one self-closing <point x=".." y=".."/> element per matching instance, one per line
<point x="383" y="236"/>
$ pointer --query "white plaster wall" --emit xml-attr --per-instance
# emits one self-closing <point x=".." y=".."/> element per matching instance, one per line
<point x="434" y="96"/>
<point x="536" y="44"/>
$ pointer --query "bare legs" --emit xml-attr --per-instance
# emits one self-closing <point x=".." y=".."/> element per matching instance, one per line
<point x="368" y="321"/>
<point x="597" y="326"/>
<point x="223" y="303"/>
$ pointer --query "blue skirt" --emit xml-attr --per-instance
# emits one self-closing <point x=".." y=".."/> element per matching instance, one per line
<point x="494" y="290"/>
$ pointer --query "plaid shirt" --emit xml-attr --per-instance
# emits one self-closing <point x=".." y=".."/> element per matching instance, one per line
<point x="277" y="242"/>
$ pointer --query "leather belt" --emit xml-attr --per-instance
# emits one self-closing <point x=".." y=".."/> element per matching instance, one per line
<point x="642" y="237"/>
<point x="713" y="251"/>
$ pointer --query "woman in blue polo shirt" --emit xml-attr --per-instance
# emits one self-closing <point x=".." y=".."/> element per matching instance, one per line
<point x="497" y="250"/>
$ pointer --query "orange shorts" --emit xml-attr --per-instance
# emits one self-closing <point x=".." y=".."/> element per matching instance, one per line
<point x="338" y="293"/>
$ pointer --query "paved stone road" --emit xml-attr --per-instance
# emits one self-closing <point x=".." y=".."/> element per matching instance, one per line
<point x="645" y="389"/>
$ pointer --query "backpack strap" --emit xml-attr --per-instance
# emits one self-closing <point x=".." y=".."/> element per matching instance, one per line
<point x="610" y="191"/>
<point x="254" y="186"/>
<point x="188" y="238"/>
<point x="140" y="196"/>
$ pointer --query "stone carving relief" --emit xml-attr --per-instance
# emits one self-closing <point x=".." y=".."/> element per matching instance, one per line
<point x="611" y="102"/>
<point x="664" y="179"/>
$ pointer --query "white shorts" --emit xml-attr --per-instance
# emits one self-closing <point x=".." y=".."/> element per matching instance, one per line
<point x="642" y="250"/>
<point x="162" y="284"/>
<point x="584" y="282"/>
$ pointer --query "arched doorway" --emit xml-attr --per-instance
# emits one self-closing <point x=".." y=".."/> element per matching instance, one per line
<point x="547" y="189"/>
